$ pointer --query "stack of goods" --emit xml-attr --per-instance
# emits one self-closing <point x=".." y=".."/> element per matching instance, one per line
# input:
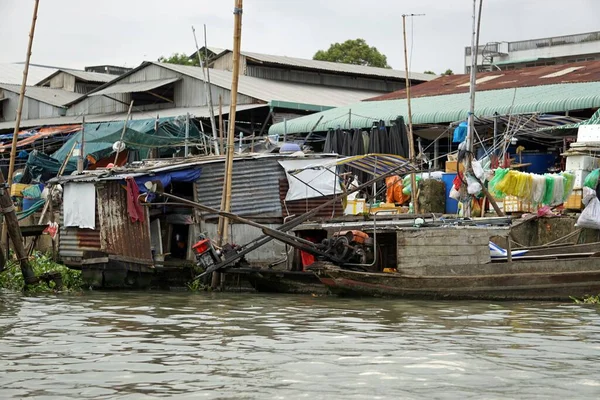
<point x="32" y="197"/>
<point x="547" y="189"/>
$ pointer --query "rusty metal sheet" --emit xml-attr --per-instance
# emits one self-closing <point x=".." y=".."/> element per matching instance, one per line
<point x="75" y="242"/>
<point x="580" y="72"/>
<point x="118" y="235"/>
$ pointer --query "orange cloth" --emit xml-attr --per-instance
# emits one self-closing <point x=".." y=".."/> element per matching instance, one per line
<point x="394" y="190"/>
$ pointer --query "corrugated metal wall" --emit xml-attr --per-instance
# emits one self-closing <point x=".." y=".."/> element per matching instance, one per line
<point x="255" y="187"/>
<point x="226" y="63"/>
<point x="299" y="207"/>
<point x="320" y="78"/>
<point x="118" y="235"/>
<point x="74" y="242"/>
<point x="32" y="109"/>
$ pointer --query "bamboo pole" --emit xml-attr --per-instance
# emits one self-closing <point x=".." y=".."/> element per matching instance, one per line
<point x="123" y="132"/>
<point x="411" y="141"/>
<point x="81" y="156"/>
<point x="221" y="124"/>
<point x="13" y="149"/>
<point x="208" y="95"/>
<point x="237" y="39"/>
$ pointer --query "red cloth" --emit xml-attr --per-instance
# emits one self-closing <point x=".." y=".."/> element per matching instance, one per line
<point x="134" y="208"/>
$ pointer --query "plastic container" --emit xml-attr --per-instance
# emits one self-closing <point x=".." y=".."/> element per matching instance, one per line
<point x="540" y="162"/>
<point x="451" y="204"/>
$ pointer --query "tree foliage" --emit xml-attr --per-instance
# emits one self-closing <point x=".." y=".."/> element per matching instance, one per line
<point x="356" y="52"/>
<point x="181" y="59"/>
<point x="448" y="72"/>
<point x="429" y="72"/>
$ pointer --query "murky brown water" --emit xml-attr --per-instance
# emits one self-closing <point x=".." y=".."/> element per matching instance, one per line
<point x="159" y="345"/>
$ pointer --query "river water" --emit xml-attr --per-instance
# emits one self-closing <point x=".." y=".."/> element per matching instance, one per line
<point x="248" y="346"/>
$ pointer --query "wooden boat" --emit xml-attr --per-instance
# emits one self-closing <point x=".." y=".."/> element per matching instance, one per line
<point x="280" y="281"/>
<point x="555" y="279"/>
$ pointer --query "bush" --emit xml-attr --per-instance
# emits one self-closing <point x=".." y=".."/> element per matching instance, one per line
<point x="12" y="279"/>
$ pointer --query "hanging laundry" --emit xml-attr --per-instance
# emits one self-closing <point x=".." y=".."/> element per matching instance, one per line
<point x="134" y="208"/>
<point x="79" y="205"/>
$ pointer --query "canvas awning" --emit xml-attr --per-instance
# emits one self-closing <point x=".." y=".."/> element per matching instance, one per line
<point x="135" y="87"/>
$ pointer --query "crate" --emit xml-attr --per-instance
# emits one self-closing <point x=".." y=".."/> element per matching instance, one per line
<point x="453" y="166"/>
<point x="581" y="162"/>
<point x="16" y="189"/>
<point x="512" y="204"/>
<point x="574" y="200"/>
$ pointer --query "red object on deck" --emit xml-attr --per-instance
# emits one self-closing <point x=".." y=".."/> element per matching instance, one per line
<point x="201" y="246"/>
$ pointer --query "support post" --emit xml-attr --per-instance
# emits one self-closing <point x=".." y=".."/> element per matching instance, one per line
<point x="81" y="156"/>
<point x="14" y="231"/>
<point x="436" y="153"/>
<point x="123" y="131"/>
<point x="221" y="126"/>
<point x="187" y="135"/>
<point x="237" y="40"/>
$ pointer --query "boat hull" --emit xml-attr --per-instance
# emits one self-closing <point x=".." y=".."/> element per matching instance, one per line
<point x="274" y="281"/>
<point x="547" y="280"/>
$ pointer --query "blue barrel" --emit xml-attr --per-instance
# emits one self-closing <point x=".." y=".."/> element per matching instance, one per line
<point x="451" y="204"/>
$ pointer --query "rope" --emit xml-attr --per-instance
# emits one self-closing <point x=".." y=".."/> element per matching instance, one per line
<point x="31" y="210"/>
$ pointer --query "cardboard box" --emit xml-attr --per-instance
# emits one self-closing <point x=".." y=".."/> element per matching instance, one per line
<point x="452" y="166"/>
<point x="574" y="200"/>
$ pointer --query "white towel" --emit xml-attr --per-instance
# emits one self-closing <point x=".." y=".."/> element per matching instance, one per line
<point x="79" y="205"/>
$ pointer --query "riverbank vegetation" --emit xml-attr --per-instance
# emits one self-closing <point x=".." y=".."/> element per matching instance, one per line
<point x="12" y="279"/>
<point x="587" y="300"/>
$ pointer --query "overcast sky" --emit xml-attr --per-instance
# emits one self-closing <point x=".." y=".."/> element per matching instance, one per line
<point x="76" y="33"/>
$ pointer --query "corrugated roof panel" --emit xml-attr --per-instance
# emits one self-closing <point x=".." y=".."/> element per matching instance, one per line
<point x="91" y="76"/>
<point x="269" y="90"/>
<point x="336" y="67"/>
<point x="13" y="73"/>
<point x="255" y="187"/>
<point x="55" y="97"/>
<point x="134" y="87"/>
<point x="453" y="107"/>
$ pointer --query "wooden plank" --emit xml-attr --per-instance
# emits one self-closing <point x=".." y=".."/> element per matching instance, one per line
<point x="99" y="260"/>
<point x="448" y="240"/>
<point x="416" y="262"/>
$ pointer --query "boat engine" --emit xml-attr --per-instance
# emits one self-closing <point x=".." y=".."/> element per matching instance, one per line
<point x="350" y="247"/>
<point x="206" y="255"/>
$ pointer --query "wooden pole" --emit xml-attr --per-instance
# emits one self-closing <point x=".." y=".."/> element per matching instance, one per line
<point x="123" y="131"/>
<point x="13" y="149"/>
<point x="81" y="156"/>
<point x="411" y="141"/>
<point x="210" y="101"/>
<point x="207" y="91"/>
<point x="221" y="135"/>
<point x="12" y="226"/>
<point x="237" y="40"/>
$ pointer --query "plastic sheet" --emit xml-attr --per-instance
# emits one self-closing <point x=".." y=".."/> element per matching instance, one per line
<point x="559" y="190"/>
<point x="549" y="191"/>
<point x="569" y="184"/>
<point x="590" y="216"/>
<point x="538" y="188"/>
<point x="473" y="187"/>
<point x="499" y="175"/>
<point x="591" y="180"/>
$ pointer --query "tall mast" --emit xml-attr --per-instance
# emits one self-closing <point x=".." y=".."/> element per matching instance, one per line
<point x="411" y="141"/>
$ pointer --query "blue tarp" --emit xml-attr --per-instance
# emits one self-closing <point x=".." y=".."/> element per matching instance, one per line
<point x="186" y="175"/>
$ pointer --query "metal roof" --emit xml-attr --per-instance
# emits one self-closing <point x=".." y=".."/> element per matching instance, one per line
<point x="86" y="76"/>
<point x="13" y="73"/>
<point x="453" y="107"/>
<point x="134" y="87"/>
<point x="588" y="71"/>
<point x="195" y="112"/>
<point x="55" y="97"/>
<point x="269" y="90"/>
<point x="334" y="67"/>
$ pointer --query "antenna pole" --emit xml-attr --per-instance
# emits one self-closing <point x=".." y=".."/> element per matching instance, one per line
<point x="411" y="141"/>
